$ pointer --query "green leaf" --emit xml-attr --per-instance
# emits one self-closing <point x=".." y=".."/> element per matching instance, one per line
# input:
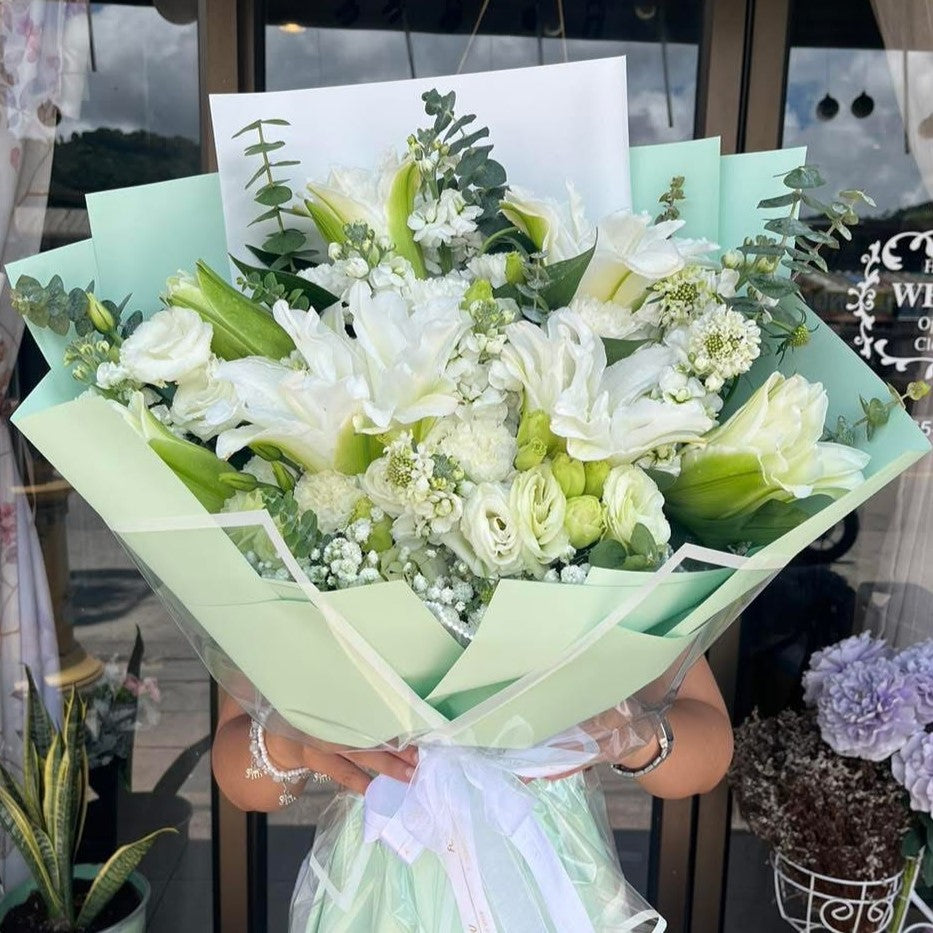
<point x="112" y="876"/>
<point x="260" y="148"/>
<point x="249" y="126"/>
<point x="259" y="171"/>
<point x="782" y="200"/>
<point x="489" y="175"/>
<point x="465" y="142"/>
<point x="132" y="322"/>
<point x="275" y="121"/>
<point x="806" y="176"/>
<point x="270" y="214"/>
<point x="772" y="287"/>
<point x="855" y="195"/>
<point x="608" y="553"/>
<point x="472" y="161"/>
<point x="564" y="279"/>
<point x="273" y="195"/>
<point x="643" y="542"/>
<point x="459" y="124"/>
<point x="620" y="349"/>
<point x="912" y="843"/>
<point x="788" y="226"/>
<point x="319" y="297"/>
<point x="926" y="868"/>
<point x="284" y="241"/>
<point x="41" y="730"/>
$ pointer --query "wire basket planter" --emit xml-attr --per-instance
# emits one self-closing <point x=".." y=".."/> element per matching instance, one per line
<point x="814" y="903"/>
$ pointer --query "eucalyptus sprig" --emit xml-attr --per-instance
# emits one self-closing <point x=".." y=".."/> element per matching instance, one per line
<point x="768" y="265"/>
<point x="877" y="413"/>
<point x="286" y="247"/>
<point x="670" y="198"/>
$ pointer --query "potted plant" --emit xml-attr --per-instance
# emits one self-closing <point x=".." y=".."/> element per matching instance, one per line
<point x="44" y="815"/>
<point x="843" y="790"/>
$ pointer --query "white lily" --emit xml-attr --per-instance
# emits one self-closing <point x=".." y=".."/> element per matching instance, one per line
<point x="631" y="254"/>
<point x="406" y="355"/>
<point x="308" y="418"/>
<point x="617" y="417"/>
<point x="322" y="341"/>
<point x="561" y="231"/>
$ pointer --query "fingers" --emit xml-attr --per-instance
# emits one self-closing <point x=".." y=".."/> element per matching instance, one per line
<point x="396" y="765"/>
<point x="341" y="770"/>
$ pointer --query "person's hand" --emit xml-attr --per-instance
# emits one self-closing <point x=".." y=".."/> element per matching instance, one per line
<point x="349" y="767"/>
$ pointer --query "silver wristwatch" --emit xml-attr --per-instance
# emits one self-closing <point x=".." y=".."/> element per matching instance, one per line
<point x="665" y="739"/>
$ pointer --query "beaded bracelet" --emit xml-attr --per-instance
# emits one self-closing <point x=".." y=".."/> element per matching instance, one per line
<point x="262" y="766"/>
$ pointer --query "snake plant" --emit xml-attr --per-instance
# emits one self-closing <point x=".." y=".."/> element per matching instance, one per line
<point x="44" y="814"/>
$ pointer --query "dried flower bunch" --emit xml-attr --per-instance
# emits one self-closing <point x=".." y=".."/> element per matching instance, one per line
<point x="839" y="816"/>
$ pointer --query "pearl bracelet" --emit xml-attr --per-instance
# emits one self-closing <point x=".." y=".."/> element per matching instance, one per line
<point x="262" y="766"/>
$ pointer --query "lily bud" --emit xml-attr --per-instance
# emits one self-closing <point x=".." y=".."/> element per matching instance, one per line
<point x="284" y="479"/>
<point x="244" y="482"/>
<point x="596" y="472"/>
<point x="584" y="521"/>
<point x="100" y="317"/>
<point x="570" y="475"/>
<point x="530" y="454"/>
<point x="266" y="451"/>
<point x="514" y="269"/>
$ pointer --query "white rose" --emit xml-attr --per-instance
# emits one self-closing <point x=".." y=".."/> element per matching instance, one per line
<point x="376" y="485"/>
<point x="205" y="405"/>
<point x="632" y="498"/>
<point x="332" y="497"/>
<point x="490" y="531"/>
<point x="491" y="267"/>
<point x="166" y="348"/>
<point x="539" y="506"/>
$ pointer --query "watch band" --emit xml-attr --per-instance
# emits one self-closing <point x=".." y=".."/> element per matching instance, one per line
<point x="665" y="737"/>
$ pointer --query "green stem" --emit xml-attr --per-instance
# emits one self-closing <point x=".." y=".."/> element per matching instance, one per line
<point x="495" y="237"/>
<point x="902" y="905"/>
<point x="268" y="167"/>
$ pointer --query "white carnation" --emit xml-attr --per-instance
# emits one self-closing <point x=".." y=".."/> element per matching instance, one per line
<point x="171" y="344"/>
<point x="632" y="498"/>
<point x="484" y="448"/>
<point x="332" y="497"/>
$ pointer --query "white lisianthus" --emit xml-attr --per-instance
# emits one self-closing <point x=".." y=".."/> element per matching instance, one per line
<point x="169" y="346"/>
<point x="491" y="267"/>
<point x="560" y="231"/>
<point x="204" y="405"/>
<point x="332" y="497"/>
<point x="489" y="541"/>
<point x="632" y="498"/>
<point x="380" y="489"/>
<point x="484" y="448"/>
<point x="538" y="504"/>
<point x="769" y="449"/>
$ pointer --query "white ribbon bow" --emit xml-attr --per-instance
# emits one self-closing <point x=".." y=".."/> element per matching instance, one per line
<point x="435" y="812"/>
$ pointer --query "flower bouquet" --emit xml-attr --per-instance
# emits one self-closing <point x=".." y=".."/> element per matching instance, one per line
<point x="448" y="463"/>
<point x="843" y="791"/>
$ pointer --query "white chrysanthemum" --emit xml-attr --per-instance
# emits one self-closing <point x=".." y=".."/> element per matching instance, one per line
<point x="721" y="345"/>
<point x="614" y="321"/>
<point x="484" y="448"/>
<point x="330" y="495"/>
<point x="683" y="295"/>
<point x="491" y="267"/>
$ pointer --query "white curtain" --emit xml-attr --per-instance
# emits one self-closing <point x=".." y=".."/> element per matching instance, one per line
<point x="902" y="608"/>
<point x="43" y="54"/>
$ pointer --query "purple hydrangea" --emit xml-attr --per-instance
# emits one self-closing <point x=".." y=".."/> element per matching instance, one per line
<point x="912" y="766"/>
<point x="832" y="660"/>
<point x="917" y="663"/>
<point x="867" y="709"/>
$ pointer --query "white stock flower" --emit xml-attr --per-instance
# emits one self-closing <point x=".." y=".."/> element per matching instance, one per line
<point x="442" y="221"/>
<point x="616" y="416"/>
<point x="112" y="376"/>
<point x="170" y="345"/>
<point x="560" y="231"/>
<point x="489" y="541"/>
<point x="484" y="448"/>
<point x="332" y="497"/>
<point x="204" y="405"/>
<point x="538" y="504"/>
<point x="632" y="498"/>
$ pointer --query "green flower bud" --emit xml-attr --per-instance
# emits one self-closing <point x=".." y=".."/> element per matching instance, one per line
<point x="266" y="451"/>
<point x="732" y="259"/>
<point x="100" y="317"/>
<point x="766" y="264"/>
<point x="283" y="476"/>
<point x="799" y="336"/>
<point x="380" y="538"/>
<point x="596" y="473"/>
<point x="570" y="475"/>
<point x="514" y="269"/>
<point x="245" y="482"/>
<point x="584" y="521"/>
<point x="536" y="425"/>
<point x="480" y="290"/>
<point x="530" y="454"/>
<point x="918" y="390"/>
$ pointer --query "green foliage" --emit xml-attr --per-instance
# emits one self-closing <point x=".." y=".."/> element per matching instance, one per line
<point x="670" y="198"/>
<point x="642" y="552"/>
<point x="299" y="529"/>
<point x="769" y="265"/>
<point x="44" y="813"/>
<point x="876" y="413"/>
<point x="287" y="246"/>
<point x="267" y="286"/>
